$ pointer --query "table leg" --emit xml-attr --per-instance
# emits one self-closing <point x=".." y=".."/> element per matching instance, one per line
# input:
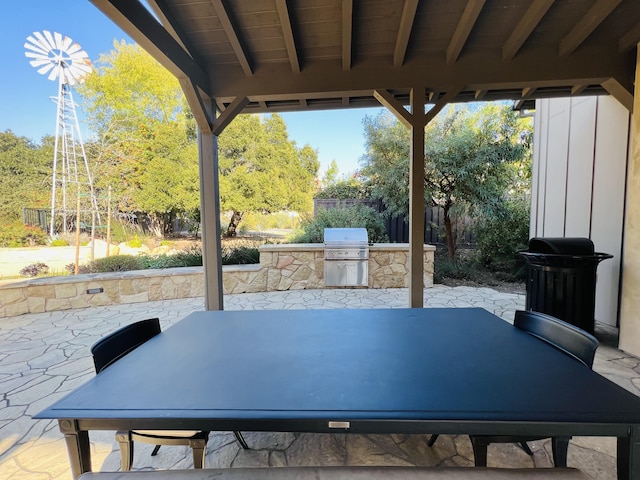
<point x="77" y="447"/>
<point x="629" y="455"/>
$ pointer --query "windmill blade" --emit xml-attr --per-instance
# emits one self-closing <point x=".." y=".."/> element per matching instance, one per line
<point x="66" y="43"/>
<point x="42" y="41"/>
<point x="54" y="73"/>
<point x="39" y="63"/>
<point x="37" y="56"/>
<point x="73" y="49"/>
<point x="49" y="38"/>
<point x="58" y="39"/>
<point x="46" y="68"/>
<point x="35" y="47"/>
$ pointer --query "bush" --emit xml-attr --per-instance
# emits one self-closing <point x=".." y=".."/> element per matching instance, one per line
<point x="135" y="242"/>
<point x="117" y="263"/>
<point x="501" y="235"/>
<point x="35" y="270"/>
<point x="19" y="235"/>
<point x="58" y="242"/>
<point x="344" y="190"/>
<point x="240" y="256"/>
<point x="357" y="216"/>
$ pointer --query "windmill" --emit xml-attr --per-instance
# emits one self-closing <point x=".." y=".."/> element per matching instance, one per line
<point x="63" y="60"/>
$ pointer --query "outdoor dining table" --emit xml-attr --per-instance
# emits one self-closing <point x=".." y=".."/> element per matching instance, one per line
<point x="366" y="371"/>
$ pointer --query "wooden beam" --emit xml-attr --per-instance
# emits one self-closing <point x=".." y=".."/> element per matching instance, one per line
<point x="433" y="96"/>
<point x="229" y="114"/>
<point x="388" y="100"/>
<point x="619" y="92"/>
<point x="518" y="105"/>
<point x="446" y="99"/>
<point x="287" y="31"/>
<point x="578" y="89"/>
<point x="303" y="102"/>
<point x="232" y="36"/>
<point x="347" y="33"/>
<point x="586" y="25"/>
<point x="465" y="25"/>
<point x="345" y="101"/>
<point x="161" y="11"/>
<point x="202" y="114"/>
<point x="416" y="200"/>
<point x="525" y="27"/>
<point x="479" y="95"/>
<point x="137" y="22"/>
<point x="630" y="39"/>
<point x="404" y="31"/>
<point x="527" y="92"/>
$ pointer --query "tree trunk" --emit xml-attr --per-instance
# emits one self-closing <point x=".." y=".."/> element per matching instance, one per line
<point x="451" y="242"/>
<point x="233" y="224"/>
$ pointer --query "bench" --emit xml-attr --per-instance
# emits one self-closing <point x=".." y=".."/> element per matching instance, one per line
<point x="346" y="473"/>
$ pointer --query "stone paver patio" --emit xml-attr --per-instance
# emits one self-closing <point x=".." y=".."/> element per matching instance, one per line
<point x="44" y="356"/>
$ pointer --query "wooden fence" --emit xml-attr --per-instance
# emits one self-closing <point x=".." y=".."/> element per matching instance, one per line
<point x="398" y="226"/>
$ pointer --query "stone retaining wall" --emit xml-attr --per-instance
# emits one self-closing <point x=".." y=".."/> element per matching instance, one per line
<point x="282" y="267"/>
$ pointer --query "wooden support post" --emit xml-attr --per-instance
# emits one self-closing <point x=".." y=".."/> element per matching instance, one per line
<point x="416" y="199"/>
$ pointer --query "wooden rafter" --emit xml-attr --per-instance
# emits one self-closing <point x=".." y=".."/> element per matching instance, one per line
<point x="347" y="33"/>
<point x="443" y="102"/>
<point x="586" y="25"/>
<point x="202" y="114"/>
<point x="465" y="25"/>
<point x="404" y="31"/>
<point x="527" y="92"/>
<point x="287" y="31"/>
<point x="161" y="11"/>
<point x="619" y="92"/>
<point x="630" y="39"/>
<point x="525" y="26"/>
<point x="578" y="89"/>
<point x="389" y="101"/>
<point x="225" y="118"/>
<point x="146" y="31"/>
<point x="232" y="36"/>
<point x="479" y="95"/>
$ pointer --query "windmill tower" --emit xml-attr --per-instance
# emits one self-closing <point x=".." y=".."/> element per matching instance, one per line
<point x="63" y="60"/>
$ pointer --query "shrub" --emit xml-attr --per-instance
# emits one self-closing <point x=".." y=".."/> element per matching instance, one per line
<point x="58" y="242"/>
<point x="501" y="235"/>
<point x="344" y="190"/>
<point x="135" y="242"/>
<point x="240" y="256"/>
<point x="117" y="263"/>
<point x="35" y="269"/>
<point x="357" y="216"/>
<point x="19" y="235"/>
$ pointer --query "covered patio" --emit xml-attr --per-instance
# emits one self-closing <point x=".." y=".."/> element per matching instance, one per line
<point x="272" y="55"/>
<point x="39" y="365"/>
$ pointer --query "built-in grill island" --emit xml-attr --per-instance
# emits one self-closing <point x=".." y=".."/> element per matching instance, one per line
<point x="346" y="257"/>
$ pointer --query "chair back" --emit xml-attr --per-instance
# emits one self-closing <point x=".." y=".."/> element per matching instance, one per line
<point x="117" y="344"/>
<point x="565" y="337"/>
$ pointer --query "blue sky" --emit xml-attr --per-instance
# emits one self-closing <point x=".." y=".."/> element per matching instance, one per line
<point x="27" y="110"/>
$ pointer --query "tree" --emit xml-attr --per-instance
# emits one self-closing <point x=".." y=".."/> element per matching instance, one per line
<point x="471" y="160"/>
<point x="261" y="170"/>
<point x="146" y="146"/>
<point x="330" y="176"/>
<point x="26" y="170"/>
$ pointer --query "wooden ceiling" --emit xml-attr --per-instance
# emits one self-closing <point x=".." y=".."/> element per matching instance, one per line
<point x="287" y="55"/>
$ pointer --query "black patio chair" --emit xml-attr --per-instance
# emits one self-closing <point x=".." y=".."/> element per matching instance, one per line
<point x="113" y="347"/>
<point x="571" y="340"/>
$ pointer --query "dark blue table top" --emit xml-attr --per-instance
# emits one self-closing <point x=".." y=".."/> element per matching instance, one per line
<point x="383" y="364"/>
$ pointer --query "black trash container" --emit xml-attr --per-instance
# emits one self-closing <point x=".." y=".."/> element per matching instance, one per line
<point x="561" y="279"/>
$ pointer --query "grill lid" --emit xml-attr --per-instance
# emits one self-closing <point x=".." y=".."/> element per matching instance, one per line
<point x="342" y="237"/>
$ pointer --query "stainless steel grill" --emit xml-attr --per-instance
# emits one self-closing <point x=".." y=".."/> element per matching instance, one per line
<point x="346" y="257"/>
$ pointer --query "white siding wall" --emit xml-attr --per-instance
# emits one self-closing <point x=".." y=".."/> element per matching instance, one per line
<point x="579" y="168"/>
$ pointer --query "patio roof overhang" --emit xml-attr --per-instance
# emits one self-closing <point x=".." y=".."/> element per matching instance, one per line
<point x="252" y="56"/>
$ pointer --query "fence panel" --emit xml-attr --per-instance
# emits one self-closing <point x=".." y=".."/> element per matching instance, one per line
<point x="36" y="217"/>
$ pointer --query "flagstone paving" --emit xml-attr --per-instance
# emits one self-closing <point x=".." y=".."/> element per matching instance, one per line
<point x="44" y="356"/>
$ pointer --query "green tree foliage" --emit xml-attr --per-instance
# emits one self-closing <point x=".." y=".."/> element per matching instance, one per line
<point x="25" y="170"/>
<point x="146" y="149"/>
<point x="261" y="170"/>
<point x="330" y="177"/>
<point x="473" y="158"/>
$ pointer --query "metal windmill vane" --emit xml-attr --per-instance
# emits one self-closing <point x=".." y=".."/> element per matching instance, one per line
<point x="60" y="58"/>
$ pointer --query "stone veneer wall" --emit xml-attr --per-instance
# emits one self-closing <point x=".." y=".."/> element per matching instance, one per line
<point x="282" y="267"/>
